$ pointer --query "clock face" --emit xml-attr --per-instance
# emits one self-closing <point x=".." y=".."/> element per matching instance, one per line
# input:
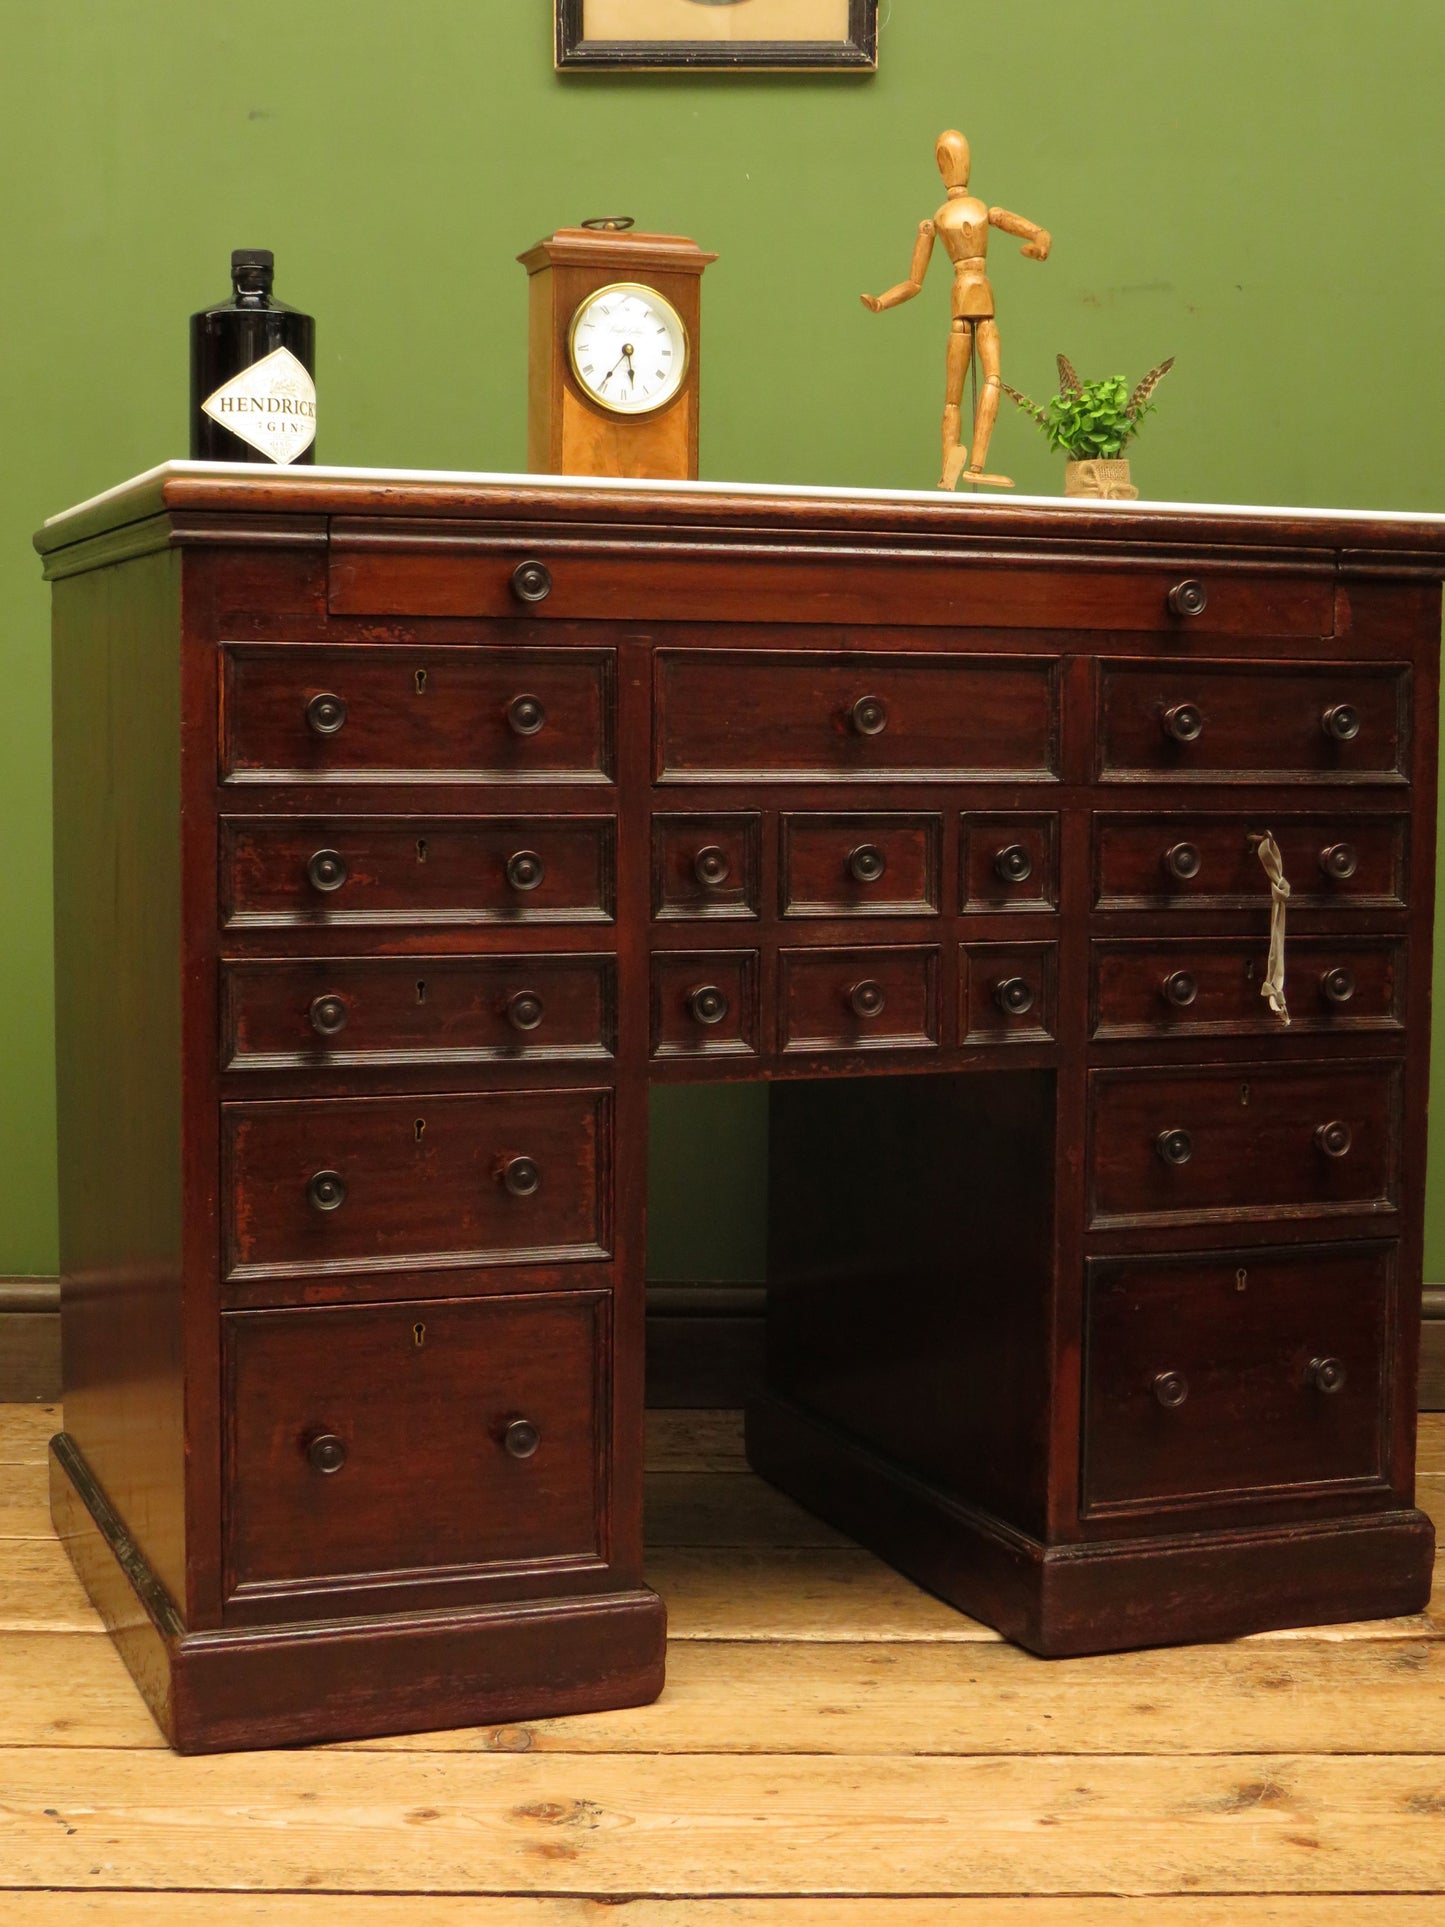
<point x="628" y="349"/>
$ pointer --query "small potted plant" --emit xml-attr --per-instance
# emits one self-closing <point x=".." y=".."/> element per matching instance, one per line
<point x="1093" y="422"/>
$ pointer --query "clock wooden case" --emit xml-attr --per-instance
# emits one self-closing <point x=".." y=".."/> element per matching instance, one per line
<point x="567" y="432"/>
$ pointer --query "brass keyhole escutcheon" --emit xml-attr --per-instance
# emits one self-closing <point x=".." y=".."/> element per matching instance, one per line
<point x="1241" y="1279"/>
<point x="421" y="990"/>
<point x="419" y="679"/>
<point x="420" y="1128"/>
<point x="1244" y="1095"/>
<point x="421" y="849"/>
<point x="418" y="1334"/>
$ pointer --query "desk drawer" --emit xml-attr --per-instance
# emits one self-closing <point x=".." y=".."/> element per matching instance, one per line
<point x="727" y="715"/>
<point x="378" y="1183"/>
<point x="1009" y="862"/>
<point x="1215" y="1377"/>
<point x="861" y="866"/>
<point x="376" y="713"/>
<point x="414" y="1441"/>
<point x="1242" y="1142"/>
<point x="1333" y="860"/>
<point x="318" y="1012"/>
<point x="1197" y="986"/>
<point x="1220" y="723"/>
<point x="443" y="869"/>
<point x="705" y="1004"/>
<point x="706" y="866"/>
<point x="867" y="999"/>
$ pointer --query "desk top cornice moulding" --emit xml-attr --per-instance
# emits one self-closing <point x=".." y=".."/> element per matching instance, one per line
<point x="218" y="488"/>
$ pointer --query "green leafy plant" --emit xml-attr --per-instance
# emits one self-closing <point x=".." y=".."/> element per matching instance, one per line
<point x="1093" y="420"/>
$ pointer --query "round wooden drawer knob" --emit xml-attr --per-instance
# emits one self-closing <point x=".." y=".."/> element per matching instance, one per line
<point x="521" y="1177"/>
<point x="525" y="870"/>
<point x="329" y="1015"/>
<point x="1188" y="598"/>
<point x="1013" y="864"/>
<point x="326" y="1191"/>
<point x="1341" y="722"/>
<point x="1335" y="1138"/>
<point x="708" y="1004"/>
<point x="867" y="863"/>
<point x="1175" y="1147"/>
<point x="866" y="999"/>
<point x="711" y="867"/>
<point x="1179" y="989"/>
<point x="1326" y="1374"/>
<point x="1182" y="860"/>
<point x="869" y="716"/>
<point x="521" y="1438"/>
<point x="327" y="1453"/>
<point x="1338" y="985"/>
<point x="1183" y="723"/>
<point x="525" y="715"/>
<point x="524" y="1010"/>
<point x="326" y="870"/>
<point x="1014" y="996"/>
<point x="1339" y="861"/>
<point x="325" y="714"/>
<point x="531" y="582"/>
<point x="1171" y="1389"/>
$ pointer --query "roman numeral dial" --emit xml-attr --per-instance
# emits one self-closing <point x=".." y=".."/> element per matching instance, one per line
<point x="628" y="349"/>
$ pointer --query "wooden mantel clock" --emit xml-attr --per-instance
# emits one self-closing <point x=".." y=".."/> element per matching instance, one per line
<point x="613" y="352"/>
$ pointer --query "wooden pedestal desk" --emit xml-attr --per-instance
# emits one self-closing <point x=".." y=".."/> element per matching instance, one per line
<point x="408" y="827"/>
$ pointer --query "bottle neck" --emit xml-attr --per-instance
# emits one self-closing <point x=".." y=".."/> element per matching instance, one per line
<point x="252" y="287"/>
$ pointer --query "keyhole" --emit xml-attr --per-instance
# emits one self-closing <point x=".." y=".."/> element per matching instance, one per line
<point x="420" y="1128"/>
<point x="421" y="849"/>
<point x="1249" y="970"/>
<point x="1244" y="1093"/>
<point x="421" y="990"/>
<point x="420" y="681"/>
<point x="1241" y="1279"/>
<point x="418" y="1333"/>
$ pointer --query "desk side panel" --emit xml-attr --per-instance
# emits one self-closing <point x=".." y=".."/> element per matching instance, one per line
<point x="116" y="686"/>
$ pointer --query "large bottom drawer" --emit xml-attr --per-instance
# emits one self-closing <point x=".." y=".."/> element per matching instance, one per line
<point x="1221" y="1375"/>
<point x="381" y="1443"/>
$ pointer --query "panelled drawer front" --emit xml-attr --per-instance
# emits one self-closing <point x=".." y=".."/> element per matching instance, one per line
<point x="288" y="870"/>
<point x="1215" y="722"/>
<point x="706" y="866"/>
<point x="1009" y="861"/>
<point x="1211" y="1377"/>
<point x="281" y="1013"/>
<point x="867" y="999"/>
<point x="1198" y="986"/>
<point x="1334" y="859"/>
<point x="447" y="714"/>
<point x="1007" y="993"/>
<point x="705" y="1004"/>
<point x="1246" y="1141"/>
<point x="384" y="1439"/>
<point x="861" y="866"/>
<point x="724" y="715"/>
<point x="366" y="1184"/>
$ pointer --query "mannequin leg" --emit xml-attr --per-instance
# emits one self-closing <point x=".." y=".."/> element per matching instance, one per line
<point x="989" y="361"/>
<point x="960" y="353"/>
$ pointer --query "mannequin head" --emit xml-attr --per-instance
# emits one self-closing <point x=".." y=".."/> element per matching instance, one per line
<point x="952" y="156"/>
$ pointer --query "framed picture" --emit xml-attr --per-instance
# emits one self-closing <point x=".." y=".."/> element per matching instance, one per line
<point x="608" y="34"/>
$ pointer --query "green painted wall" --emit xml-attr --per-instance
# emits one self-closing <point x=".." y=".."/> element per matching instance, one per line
<point x="1249" y="184"/>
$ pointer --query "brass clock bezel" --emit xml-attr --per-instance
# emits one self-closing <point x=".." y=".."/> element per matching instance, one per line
<point x="590" y="395"/>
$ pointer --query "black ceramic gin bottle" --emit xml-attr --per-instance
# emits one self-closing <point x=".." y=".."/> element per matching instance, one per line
<point x="253" y="366"/>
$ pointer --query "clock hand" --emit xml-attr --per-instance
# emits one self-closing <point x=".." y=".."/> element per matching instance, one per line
<point x="613" y="369"/>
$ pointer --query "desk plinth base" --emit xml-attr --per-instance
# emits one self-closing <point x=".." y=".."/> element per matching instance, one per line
<point x="219" y="1692"/>
<point x="1063" y="1601"/>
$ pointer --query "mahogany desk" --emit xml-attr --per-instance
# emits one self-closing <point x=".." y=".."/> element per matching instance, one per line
<point x="409" y="826"/>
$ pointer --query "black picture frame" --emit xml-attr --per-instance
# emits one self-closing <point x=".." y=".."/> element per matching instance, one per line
<point x="858" y="53"/>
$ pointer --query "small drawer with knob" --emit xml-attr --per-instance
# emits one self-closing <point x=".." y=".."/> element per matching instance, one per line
<point x="706" y="866"/>
<point x="422" y="1449"/>
<point x="863" y="999"/>
<point x="1243" y="1142"/>
<point x="1009" y="862"/>
<point x="1211" y="1378"/>
<point x="1006" y="993"/>
<point x="450" y="713"/>
<point x="1211" y="986"/>
<point x="436" y="1180"/>
<point x="300" y="1013"/>
<point x="860" y="866"/>
<point x="1171" y="861"/>
<point x="289" y="870"/>
<point x="705" y="1004"/>
<point x="1213" y="722"/>
<point x="813" y="716"/>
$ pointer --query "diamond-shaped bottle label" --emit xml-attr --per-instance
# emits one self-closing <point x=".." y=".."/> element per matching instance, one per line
<point x="271" y="405"/>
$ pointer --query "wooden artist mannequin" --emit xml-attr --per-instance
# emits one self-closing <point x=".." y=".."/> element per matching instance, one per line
<point x="962" y="224"/>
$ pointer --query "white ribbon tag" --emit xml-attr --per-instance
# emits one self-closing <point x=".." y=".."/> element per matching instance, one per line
<point x="1267" y="850"/>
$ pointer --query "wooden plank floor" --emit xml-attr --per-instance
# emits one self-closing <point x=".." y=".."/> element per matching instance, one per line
<point x="834" y="1749"/>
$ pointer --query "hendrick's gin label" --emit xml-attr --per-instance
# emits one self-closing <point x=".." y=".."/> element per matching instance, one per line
<point x="253" y="398"/>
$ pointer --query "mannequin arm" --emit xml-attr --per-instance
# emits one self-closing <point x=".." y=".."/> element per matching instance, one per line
<point x="1038" y="240"/>
<point x="905" y="290"/>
